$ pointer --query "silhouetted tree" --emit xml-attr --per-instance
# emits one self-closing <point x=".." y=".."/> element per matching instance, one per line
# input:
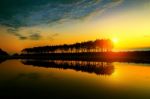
<point x="102" y="45"/>
<point x="3" y="53"/>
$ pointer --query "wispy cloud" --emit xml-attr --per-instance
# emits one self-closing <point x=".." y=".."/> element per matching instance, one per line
<point x="29" y="36"/>
<point x="14" y="32"/>
<point x="104" y="7"/>
<point x="35" y="36"/>
<point x="29" y="13"/>
<point x="53" y="36"/>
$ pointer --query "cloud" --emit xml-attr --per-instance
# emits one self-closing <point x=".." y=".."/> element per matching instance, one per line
<point x="14" y="32"/>
<point x="53" y="36"/>
<point x="35" y="36"/>
<point x="31" y="35"/>
<point x="16" y="14"/>
<point x="21" y="13"/>
<point x="22" y="37"/>
<point x="115" y="0"/>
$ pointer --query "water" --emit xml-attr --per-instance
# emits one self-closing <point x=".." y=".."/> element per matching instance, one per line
<point x="74" y="80"/>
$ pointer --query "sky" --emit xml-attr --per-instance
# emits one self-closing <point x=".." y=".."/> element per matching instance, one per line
<point x="29" y="23"/>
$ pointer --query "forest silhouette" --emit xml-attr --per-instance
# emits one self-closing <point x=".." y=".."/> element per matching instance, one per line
<point x="103" y="45"/>
<point x="98" y="50"/>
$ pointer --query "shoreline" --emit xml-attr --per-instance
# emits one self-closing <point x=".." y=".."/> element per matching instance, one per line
<point x="133" y="57"/>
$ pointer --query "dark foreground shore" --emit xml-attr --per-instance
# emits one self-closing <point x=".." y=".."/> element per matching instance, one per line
<point x="134" y="56"/>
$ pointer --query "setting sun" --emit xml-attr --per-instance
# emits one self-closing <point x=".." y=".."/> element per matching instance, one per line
<point x="115" y="40"/>
<point x="75" y="49"/>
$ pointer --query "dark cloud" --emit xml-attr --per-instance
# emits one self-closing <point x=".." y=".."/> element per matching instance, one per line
<point x="15" y="14"/>
<point x="35" y="36"/>
<point x="18" y="13"/>
<point x="22" y="38"/>
<point x="31" y="36"/>
<point x="53" y="36"/>
<point x="115" y="0"/>
<point x="14" y="32"/>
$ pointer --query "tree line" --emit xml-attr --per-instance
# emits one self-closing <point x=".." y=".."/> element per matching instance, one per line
<point x="99" y="45"/>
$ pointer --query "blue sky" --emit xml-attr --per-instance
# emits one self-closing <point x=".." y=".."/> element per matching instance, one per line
<point x="30" y="23"/>
<point x="18" y="13"/>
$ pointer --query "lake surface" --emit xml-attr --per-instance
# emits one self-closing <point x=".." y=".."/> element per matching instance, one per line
<point x="74" y="80"/>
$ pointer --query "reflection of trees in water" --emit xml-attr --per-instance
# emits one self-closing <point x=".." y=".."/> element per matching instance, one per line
<point x="99" y="68"/>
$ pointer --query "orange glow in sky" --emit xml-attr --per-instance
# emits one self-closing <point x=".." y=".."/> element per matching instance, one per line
<point x="127" y="28"/>
<point x="115" y="40"/>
